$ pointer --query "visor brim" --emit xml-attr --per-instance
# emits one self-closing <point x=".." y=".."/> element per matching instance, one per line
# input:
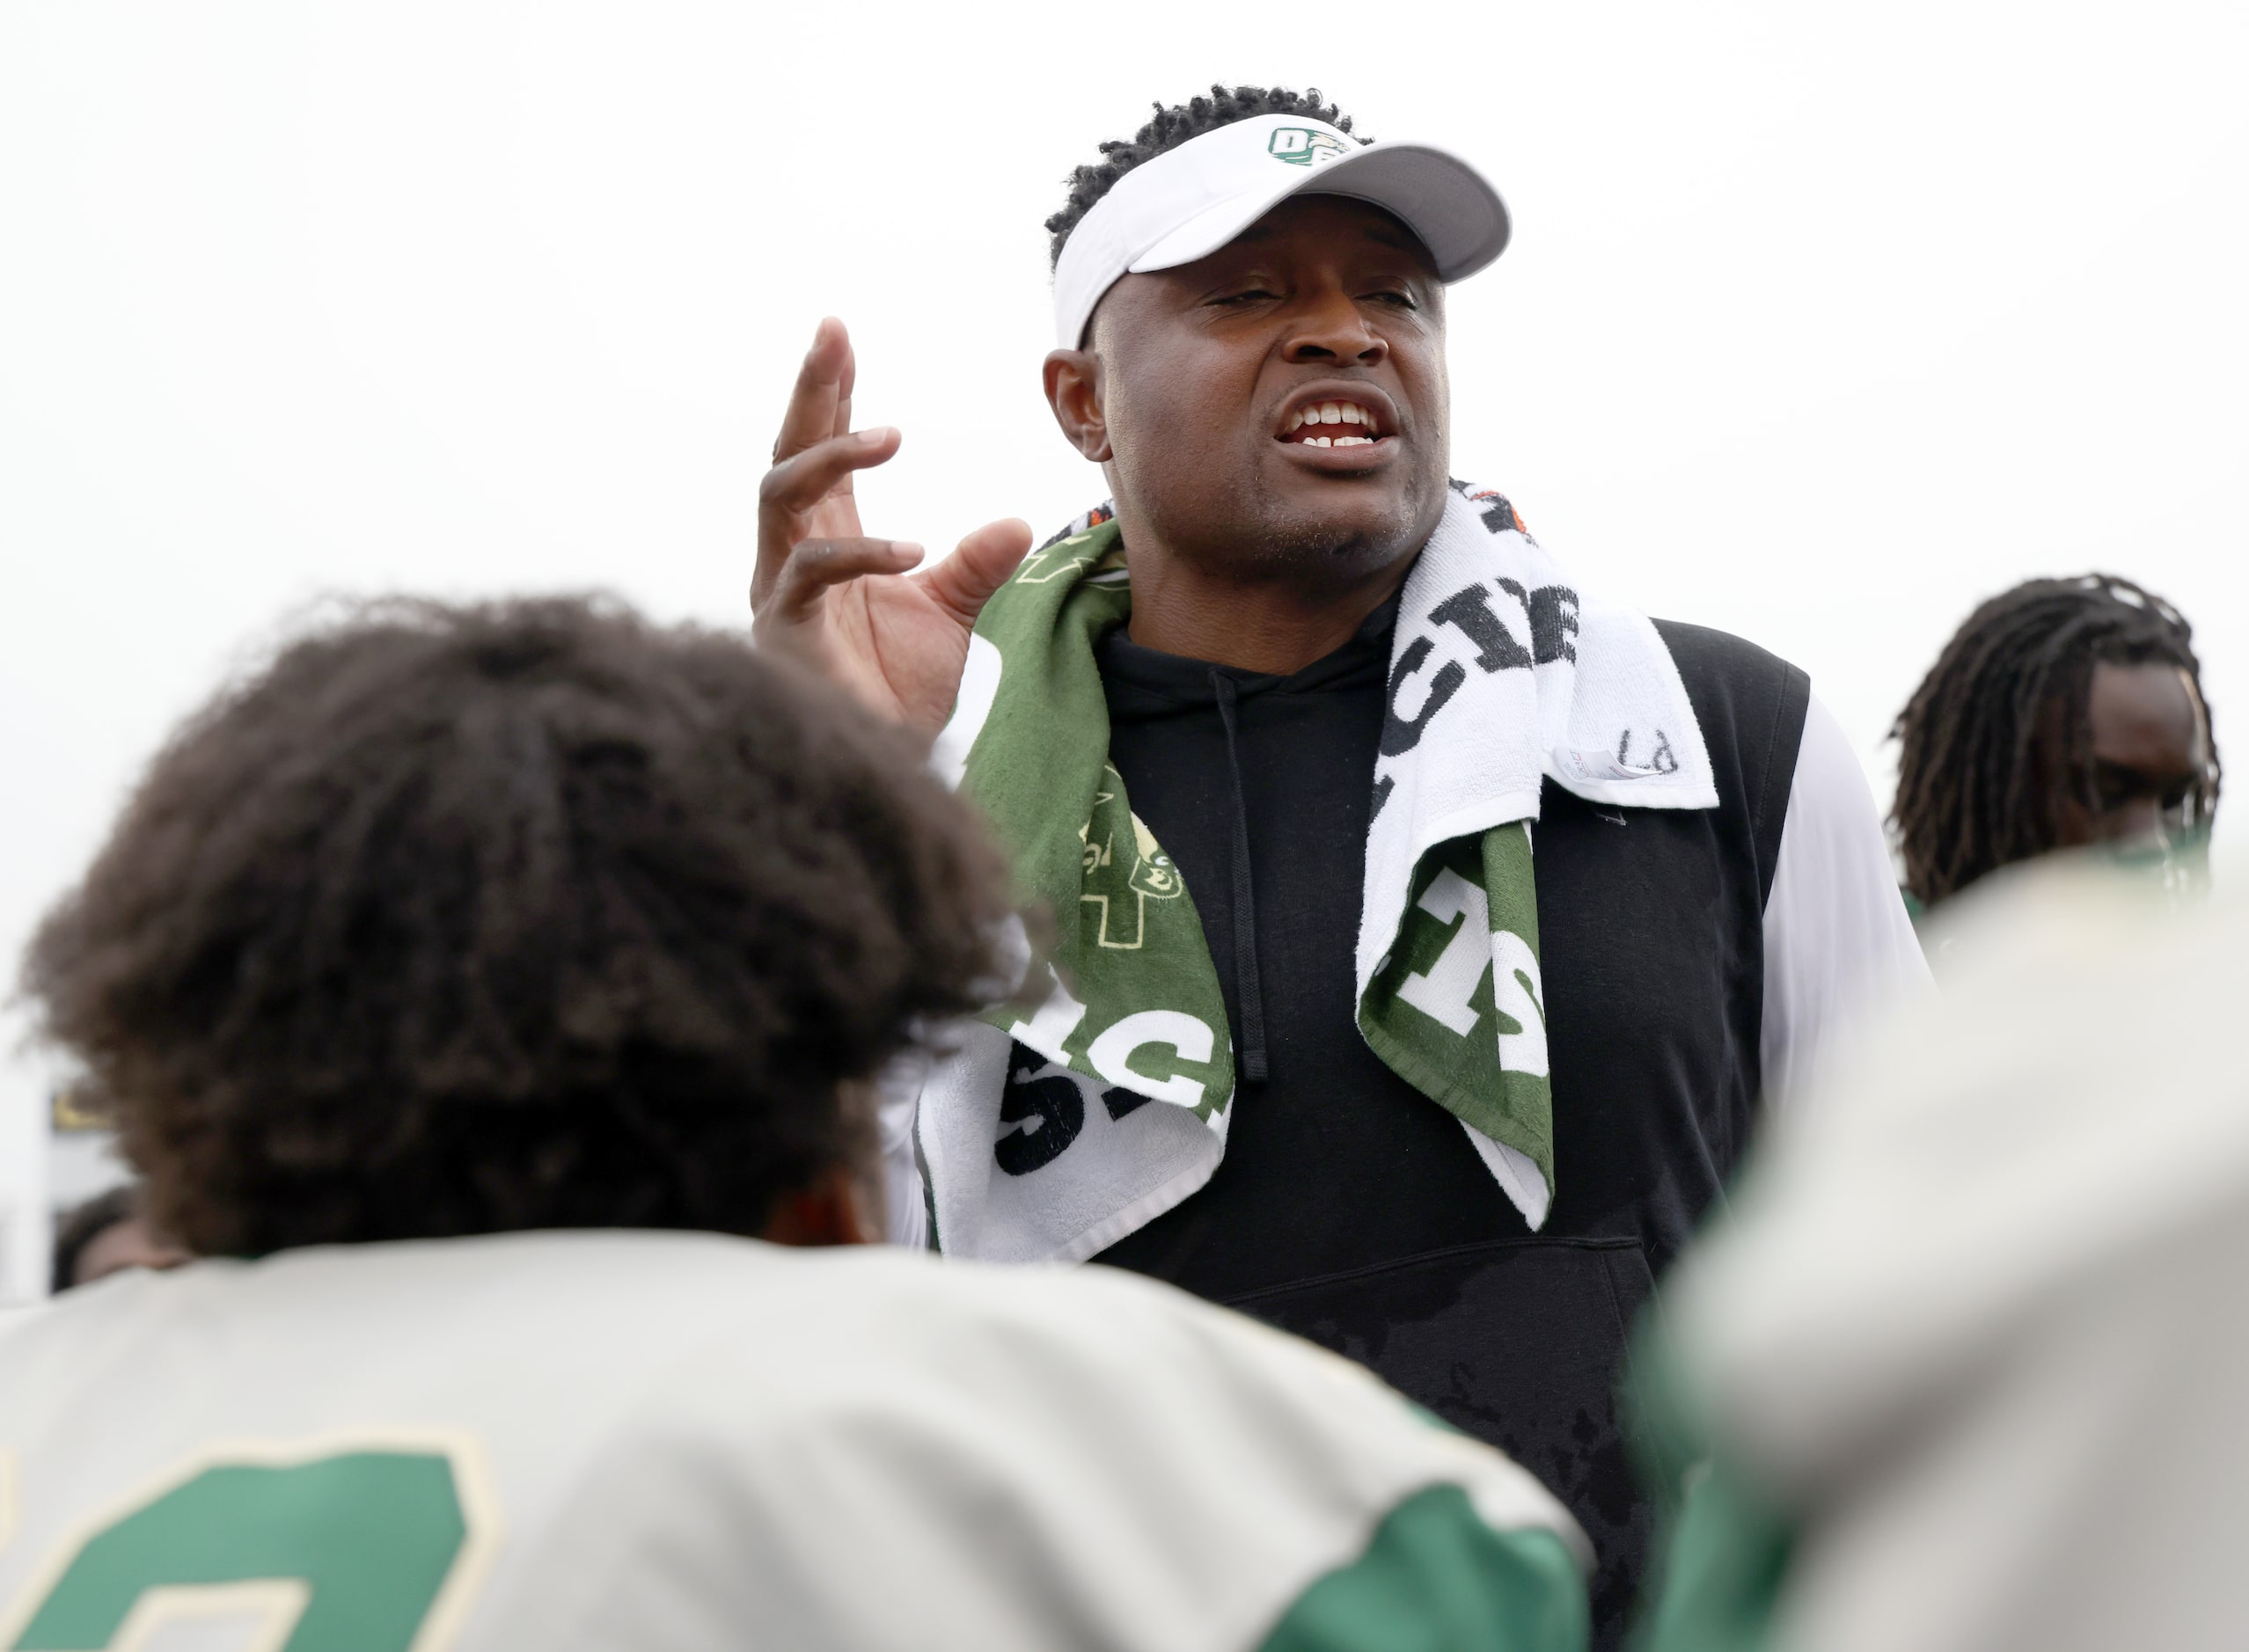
<point x="1459" y="216"/>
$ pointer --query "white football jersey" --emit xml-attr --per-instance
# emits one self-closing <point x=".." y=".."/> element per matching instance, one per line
<point x="1964" y="1359"/>
<point x="686" y="1443"/>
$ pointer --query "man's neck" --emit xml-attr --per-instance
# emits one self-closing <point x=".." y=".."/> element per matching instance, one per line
<point x="1275" y="627"/>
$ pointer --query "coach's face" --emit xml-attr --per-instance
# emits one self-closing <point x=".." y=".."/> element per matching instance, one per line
<point x="1278" y="409"/>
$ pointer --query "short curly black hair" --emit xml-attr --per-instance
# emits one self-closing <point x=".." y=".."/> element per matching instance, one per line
<point x="461" y="919"/>
<point x="1174" y="125"/>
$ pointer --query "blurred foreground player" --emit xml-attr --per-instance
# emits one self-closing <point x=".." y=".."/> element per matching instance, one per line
<point x="1966" y="1364"/>
<point x="473" y="987"/>
<point x="2063" y="713"/>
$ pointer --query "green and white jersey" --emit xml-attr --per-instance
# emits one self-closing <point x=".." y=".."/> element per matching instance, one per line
<point x="684" y="1442"/>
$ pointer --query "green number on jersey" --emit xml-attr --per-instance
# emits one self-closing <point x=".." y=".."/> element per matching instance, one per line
<point x="346" y="1552"/>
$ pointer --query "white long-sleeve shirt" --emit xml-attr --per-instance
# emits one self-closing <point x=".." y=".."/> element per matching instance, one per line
<point x="1838" y="942"/>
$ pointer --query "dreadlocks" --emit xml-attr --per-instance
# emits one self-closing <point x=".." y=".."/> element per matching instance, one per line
<point x="1997" y="737"/>
<point x="1173" y="127"/>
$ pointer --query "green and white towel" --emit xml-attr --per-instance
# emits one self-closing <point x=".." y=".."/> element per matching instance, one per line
<point x="1036" y="1131"/>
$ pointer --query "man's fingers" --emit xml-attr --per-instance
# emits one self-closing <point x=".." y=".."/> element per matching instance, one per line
<point x="819" y="565"/>
<point x="820" y="383"/>
<point x="794" y="486"/>
<point x="844" y="383"/>
<point x="800" y="482"/>
<point x="979" y="566"/>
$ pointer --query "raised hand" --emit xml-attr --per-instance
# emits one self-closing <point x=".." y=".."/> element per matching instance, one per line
<point x="842" y="603"/>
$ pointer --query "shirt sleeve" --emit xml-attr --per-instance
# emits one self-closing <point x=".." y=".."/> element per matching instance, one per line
<point x="1437" y="1578"/>
<point x="1837" y="939"/>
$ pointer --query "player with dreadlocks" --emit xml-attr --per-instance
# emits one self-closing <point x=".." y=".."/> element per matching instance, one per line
<point x="1430" y="925"/>
<point x="2065" y="711"/>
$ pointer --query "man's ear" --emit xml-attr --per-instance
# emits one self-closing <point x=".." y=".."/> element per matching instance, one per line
<point x="836" y="1208"/>
<point x="1073" y="390"/>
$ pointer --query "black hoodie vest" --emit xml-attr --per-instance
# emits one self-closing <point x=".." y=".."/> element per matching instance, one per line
<point x="1350" y="1208"/>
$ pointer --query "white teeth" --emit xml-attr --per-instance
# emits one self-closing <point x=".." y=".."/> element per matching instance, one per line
<point x="1330" y="413"/>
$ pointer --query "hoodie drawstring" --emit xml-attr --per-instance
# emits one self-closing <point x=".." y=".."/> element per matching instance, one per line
<point x="1248" y="989"/>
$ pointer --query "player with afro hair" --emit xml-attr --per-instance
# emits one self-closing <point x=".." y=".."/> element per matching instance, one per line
<point x="493" y="998"/>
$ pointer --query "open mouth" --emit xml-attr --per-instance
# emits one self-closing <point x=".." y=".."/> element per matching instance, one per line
<point x="1339" y="423"/>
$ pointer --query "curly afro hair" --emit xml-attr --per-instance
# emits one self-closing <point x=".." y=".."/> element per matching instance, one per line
<point x="1173" y="126"/>
<point x="469" y="919"/>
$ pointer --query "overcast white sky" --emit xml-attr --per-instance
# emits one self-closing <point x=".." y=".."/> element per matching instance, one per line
<point x="1820" y="322"/>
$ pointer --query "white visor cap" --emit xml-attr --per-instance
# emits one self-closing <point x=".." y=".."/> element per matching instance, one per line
<point x="1189" y="201"/>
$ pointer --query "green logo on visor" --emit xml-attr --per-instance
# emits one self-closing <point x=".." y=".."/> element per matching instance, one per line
<point x="1304" y="146"/>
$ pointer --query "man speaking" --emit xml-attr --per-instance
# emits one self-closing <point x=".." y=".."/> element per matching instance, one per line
<point x="1427" y="925"/>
